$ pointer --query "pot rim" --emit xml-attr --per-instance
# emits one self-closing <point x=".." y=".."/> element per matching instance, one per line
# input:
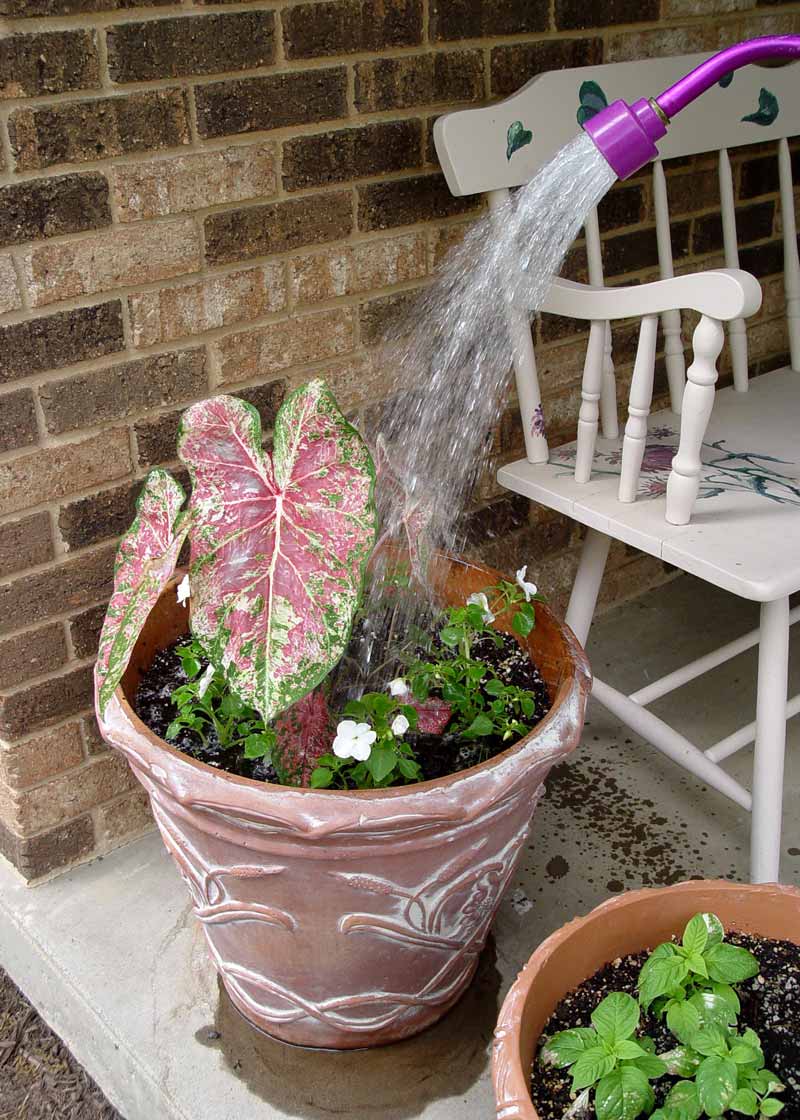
<point x="579" y="680"/>
<point x="510" y="1070"/>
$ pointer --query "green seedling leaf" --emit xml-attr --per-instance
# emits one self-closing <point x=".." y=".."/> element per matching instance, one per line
<point x="695" y="936"/>
<point x="381" y="762"/>
<point x="622" y="1094"/>
<point x="771" y="1107"/>
<point x="714" y="1008"/>
<point x="661" y="975"/>
<point x="566" y="1047"/>
<point x="716" y="1084"/>
<point x="715" y="928"/>
<point x="522" y="624"/>
<point x="680" y="1062"/>
<point x="479" y="727"/>
<point x="627" y="1050"/>
<point x="683" y="1101"/>
<point x="321" y="777"/>
<point x="651" y="1066"/>
<point x="744" y="1101"/>
<point x="683" y="1019"/>
<point x="710" y="1040"/>
<point x="592" y="1064"/>
<point x="730" y="964"/>
<point x="616" y="1017"/>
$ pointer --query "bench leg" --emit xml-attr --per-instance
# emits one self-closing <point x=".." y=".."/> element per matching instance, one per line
<point x="586" y="587"/>
<point x="773" y="665"/>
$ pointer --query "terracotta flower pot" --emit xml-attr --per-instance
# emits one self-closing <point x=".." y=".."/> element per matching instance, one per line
<point x="348" y="919"/>
<point x="624" y="925"/>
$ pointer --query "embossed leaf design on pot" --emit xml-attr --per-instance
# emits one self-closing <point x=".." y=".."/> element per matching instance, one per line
<point x="279" y="542"/>
<point x="145" y="562"/>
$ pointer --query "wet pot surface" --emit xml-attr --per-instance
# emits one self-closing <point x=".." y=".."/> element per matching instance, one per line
<point x="348" y="919"/>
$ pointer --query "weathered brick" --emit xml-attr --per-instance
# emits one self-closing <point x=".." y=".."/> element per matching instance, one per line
<point x="575" y="15"/>
<point x="218" y="301"/>
<point x="496" y="520"/>
<point x="404" y="201"/>
<point x="622" y="206"/>
<point x="691" y="191"/>
<point x="17" y="420"/>
<point x="136" y="254"/>
<point x="76" y="131"/>
<point x="351" y="153"/>
<point x="84" y="630"/>
<point x="53" y="472"/>
<point x="94" y="742"/>
<point x="378" y="316"/>
<point x="125" y="817"/>
<point x="31" y="8"/>
<point x="57" y="801"/>
<point x="315" y="277"/>
<point x="344" y="26"/>
<point x="37" y="705"/>
<point x="235" y="235"/>
<point x="753" y="223"/>
<point x="272" y="101"/>
<point x="49" y="851"/>
<point x="190" y="182"/>
<point x="121" y="390"/>
<point x="418" y="79"/>
<point x="24" y="764"/>
<point x="75" y="583"/>
<point x="266" y="400"/>
<point x="10" y="299"/>
<point x="172" y="48"/>
<point x="759" y="175"/>
<point x="762" y="260"/>
<point x="522" y="61"/>
<point x="106" y="514"/>
<point x="48" y="207"/>
<point x="476" y="19"/>
<point x="53" y="341"/>
<point x="25" y="543"/>
<point x="32" y="654"/>
<point x="267" y="350"/>
<point x="627" y="46"/>
<point x="48" y="62"/>
<point x="632" y="252"/>
<point x="675" y="9"/>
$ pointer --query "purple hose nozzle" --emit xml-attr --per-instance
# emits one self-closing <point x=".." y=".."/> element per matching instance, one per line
<point x="626" y="134"/>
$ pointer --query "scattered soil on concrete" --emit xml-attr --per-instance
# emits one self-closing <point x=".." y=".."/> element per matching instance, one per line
<point x="39" y="1078"/>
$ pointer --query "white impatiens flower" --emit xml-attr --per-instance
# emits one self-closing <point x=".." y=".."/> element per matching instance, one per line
<point x="398" y="687"/>
<point x="205" y="681"/>
<point x="480" y="600"/>
<point x="529" y="588"/>
<point x="353" y="740"/>
<point x="184" y="591"/>
<point x="400" y="725"/>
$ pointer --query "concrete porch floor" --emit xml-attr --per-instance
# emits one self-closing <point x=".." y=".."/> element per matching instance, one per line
<point x="111" y="957"/>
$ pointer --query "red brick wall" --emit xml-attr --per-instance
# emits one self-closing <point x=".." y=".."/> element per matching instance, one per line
<point x="204" y="195"/>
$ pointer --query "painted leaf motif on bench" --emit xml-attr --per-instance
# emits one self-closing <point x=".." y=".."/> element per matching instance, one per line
<point x="279" y="543"/>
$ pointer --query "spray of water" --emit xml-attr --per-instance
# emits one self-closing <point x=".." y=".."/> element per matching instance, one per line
<point x="452" y="360"/>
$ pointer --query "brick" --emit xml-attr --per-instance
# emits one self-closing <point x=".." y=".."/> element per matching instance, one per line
<point x="344" y="271"/>
<point x="25" y="543"/>
<point x="234" y="235"/>
<point x="29" y="8"/>
<point x="575" y="15"/>
<point x="191" y="182"/>
<point x="190" y="45"/>
<point x="378" y="316"/>
<point x="77" y="131"/>
<point x="511" y="65"/>
<point x="622" y="206"/>
<point x="476" y="19"/>
<point x="692" y="191"/>
<point x="50" y="753"/>
<point x="753" y="223"/>
<point x="266" y="400"/>
<point x="121" y="390"/>
<point x="32" y="654"/>
<point x="760" y="175"/>
<point x="270" y="349"/>
<point x="675" y="9"/>
<point x="351" y="153"/>
<point x="84" y="630"/>
<point x="71" y="794"/>
<point x="218" y="301"/>
<point x="50" y="62"/>
<point x="53" y="472"/>
<point x="50" y="851"/>
<point x="157" y="438"/>
<point x="420" y="79"/>
<point x="664" y="41"/>
<point x="73" y="584"/>
<point x="37" y="705"/>
<point x="126" y="817"/>
<point x="93" y="740"/>
<point x="42" y="208"/>
<point x="10" y="299"/>
<point x="273" y="101"/>
<point x="54" y="341"/>
<point x="762" y="260"/>
<point x="137" y="254"/>
<point x="632" y="252"/>
<point x="17" y="420"/>
<point x="405" y="201"/>
<point x="344" y="26"/>
<point x="499" y="519"/>
<point x="98" y="517"/>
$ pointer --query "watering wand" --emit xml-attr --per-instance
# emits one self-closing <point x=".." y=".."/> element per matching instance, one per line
<point x="625" y="134"/>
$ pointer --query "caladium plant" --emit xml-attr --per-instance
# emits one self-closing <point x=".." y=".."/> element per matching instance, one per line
<point x="279" y="546"/>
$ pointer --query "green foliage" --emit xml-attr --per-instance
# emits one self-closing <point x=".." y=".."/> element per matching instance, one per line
<point x="720" y="1069"/>
<point x="391" y="760"/>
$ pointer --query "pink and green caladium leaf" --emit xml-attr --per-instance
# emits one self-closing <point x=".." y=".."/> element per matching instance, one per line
<point x="303" y="734"/>
<point x="145" y="562"/>
<point x="279" y="543"/>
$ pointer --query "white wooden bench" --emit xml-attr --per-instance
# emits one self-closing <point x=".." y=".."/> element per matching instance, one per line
<point x="711" y="485"/>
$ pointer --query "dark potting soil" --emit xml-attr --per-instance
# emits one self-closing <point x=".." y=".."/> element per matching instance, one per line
<point x="438" y="755"/>
<point x="770" y="1006"/>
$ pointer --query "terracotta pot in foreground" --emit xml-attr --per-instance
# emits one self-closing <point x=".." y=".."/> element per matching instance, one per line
<point x="624" y="925"/>
<point x="347" y="919"/>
